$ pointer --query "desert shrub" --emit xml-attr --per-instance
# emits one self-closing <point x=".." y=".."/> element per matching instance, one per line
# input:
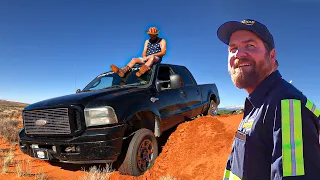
<point x="167" y="178"/>
<point x="98" y="174"/>
<point x="7" y="160"/>
<point x="10" y="113"/>
<point x="9" y="130"/>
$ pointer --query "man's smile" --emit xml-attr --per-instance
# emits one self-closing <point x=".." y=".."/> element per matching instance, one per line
<point x="240" y="65"/>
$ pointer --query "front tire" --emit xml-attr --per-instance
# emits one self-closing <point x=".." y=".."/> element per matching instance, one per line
<point x="141" y="153"/>
<point x="213" y="108"/>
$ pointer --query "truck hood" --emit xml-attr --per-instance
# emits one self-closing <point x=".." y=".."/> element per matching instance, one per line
<point x="82" y="98"/>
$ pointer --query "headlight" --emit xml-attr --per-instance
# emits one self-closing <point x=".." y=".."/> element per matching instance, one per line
<point x="100" y="116"/>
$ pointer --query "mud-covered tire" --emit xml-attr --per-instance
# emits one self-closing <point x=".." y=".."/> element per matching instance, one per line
<point x="142" y="150"/>
<point x="213" y="108"/>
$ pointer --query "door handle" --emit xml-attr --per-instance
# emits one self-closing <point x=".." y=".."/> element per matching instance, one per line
<point x="183" y="93"/>
<point x="154" y="99"/>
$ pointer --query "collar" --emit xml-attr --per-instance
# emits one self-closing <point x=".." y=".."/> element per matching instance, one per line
<point x="257" y="96"/>
<point x="156" y="40"/>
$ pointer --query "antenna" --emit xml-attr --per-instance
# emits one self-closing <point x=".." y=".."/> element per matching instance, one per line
<point x="75" y="79"/>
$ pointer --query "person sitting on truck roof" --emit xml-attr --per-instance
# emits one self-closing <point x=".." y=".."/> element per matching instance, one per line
<point x="153" y="52"/>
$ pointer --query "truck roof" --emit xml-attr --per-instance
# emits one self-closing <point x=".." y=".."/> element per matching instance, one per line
<point x="165" y="64"/>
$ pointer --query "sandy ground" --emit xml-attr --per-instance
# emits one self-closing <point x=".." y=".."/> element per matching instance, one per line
<point x="197" y="149"/>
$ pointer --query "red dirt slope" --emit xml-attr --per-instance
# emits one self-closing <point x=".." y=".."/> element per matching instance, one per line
<point x="198" y="149"/>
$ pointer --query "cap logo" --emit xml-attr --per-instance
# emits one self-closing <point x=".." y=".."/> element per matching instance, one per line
<point x="248" y="22"/>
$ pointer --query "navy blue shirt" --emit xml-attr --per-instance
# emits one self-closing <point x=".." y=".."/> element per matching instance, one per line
<point x="278" y="137"/>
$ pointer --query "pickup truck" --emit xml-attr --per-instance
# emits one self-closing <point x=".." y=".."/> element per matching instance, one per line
<point x="113" y="117"/>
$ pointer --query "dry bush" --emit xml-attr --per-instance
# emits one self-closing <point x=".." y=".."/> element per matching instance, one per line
<point x="97" y="174"/>
<point x="19" y="170"/>
<point x="9" y="130"/>
<point x="41" y="175"/>
<point x="10" y="118"/>
<point x="10" y="113"/>
<point x="24" y="168"/>
<point x="167" y="178"/>
<point x="7" y="160"/>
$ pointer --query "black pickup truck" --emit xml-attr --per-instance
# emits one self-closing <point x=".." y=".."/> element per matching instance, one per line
<point x="115" y="116"/>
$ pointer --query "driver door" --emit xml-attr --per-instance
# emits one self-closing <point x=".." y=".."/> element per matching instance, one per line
<point x="170" y="101"/>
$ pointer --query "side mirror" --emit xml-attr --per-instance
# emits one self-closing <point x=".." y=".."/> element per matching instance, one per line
<point x="175" y="81"/>
<point x="78" y="91"/>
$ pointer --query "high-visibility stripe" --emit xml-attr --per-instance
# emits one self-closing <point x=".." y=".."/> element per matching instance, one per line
<point x="292" y="144"/>
<point x="313" y="108"/>
<point x="233" y="177"/>
<point x="228" y="175"/>
<point x="317" y="112"/>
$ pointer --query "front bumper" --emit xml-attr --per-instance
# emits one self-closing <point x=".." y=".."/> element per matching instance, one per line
<point x="94" y="145"/>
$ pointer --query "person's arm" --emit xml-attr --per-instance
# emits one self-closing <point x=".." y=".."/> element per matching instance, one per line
<point x="163" y="45"/>
<point x="145" y="47"/>
<point x="295" y="142"/>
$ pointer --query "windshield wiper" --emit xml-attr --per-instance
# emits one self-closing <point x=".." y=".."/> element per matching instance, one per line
<point x="109" y="87"/>
<point x="133" y="85"/>
<point x="114" y="86"/>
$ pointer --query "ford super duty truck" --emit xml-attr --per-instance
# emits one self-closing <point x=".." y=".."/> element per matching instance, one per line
<point x="115" y="116"/>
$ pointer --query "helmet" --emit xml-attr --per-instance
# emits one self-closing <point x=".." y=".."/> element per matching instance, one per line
<point x="152" y="30"/>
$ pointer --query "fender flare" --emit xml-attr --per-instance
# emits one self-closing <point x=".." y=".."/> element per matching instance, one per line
<point x="157" y="119"/>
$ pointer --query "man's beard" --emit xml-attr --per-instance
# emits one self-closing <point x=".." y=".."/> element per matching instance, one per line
<point x="248" y="79"/>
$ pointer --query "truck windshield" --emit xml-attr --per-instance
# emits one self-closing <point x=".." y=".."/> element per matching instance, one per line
<point x="110" y="79"/>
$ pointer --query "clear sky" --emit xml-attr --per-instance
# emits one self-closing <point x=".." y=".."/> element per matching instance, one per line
<point x="44" y="45"/>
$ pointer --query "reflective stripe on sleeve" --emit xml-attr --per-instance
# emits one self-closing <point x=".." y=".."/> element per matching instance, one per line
<point x="292" y="145"/>
<point x="228" y="175"/>
<point x="313" y="108"/>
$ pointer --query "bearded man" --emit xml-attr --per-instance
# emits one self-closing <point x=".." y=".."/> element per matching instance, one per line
<point x="278" y="137"/>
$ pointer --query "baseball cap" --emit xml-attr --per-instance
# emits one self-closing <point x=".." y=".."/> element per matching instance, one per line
<point x="225" y="30"/>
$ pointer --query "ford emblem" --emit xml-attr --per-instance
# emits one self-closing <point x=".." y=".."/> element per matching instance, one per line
<point x="41" y="122"/>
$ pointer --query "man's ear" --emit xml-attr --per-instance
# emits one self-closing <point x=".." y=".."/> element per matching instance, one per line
<point x="273" y="55"/>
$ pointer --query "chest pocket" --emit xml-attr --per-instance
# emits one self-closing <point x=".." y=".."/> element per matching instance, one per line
<point x="238" y="158"/>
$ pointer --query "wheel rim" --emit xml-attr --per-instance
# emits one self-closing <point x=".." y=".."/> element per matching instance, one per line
<point x="145" y="155"/>
<point x="213" y="108"/>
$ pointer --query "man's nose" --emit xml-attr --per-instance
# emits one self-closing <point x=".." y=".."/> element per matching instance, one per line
<point x="240" y="52"/>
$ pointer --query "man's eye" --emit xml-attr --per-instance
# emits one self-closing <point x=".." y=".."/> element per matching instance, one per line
<point x="233" y="50"/>
<point x="250" y="46"/>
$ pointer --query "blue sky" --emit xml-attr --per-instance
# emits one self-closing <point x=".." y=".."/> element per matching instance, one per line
<point x="44" y="44"/>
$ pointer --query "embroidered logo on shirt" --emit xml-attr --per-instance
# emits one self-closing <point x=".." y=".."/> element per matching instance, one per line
<point x="246" y="126"/>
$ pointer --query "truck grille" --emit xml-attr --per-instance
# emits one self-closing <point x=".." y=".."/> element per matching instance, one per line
<point x="47" y="121"/>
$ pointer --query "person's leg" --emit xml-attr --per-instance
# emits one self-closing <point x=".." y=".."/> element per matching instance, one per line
<point x="135" y="61"/>
<point x="125" y="69"/>
<point x="152" y="61"/>
<point x="146" y="67"/>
